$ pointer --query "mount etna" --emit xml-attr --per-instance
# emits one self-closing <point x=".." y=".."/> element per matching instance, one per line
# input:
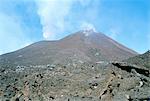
<point x="84" y="66"/>
<point x="85" y="45"/>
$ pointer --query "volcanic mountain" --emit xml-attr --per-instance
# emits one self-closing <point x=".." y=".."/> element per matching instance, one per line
<point x="85" y="45"/>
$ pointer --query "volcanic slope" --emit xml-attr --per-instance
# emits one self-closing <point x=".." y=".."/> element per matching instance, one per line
<point x="82" y="46"/>
<point x="141" y="60"/>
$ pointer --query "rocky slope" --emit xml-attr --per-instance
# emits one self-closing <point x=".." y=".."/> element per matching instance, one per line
<point x="141" y="60"/>
<point x="75" y="82"/>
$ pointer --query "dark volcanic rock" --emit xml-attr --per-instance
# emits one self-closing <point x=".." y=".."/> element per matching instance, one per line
<point x="141" y="60"/>
<point x="77" y="82"/>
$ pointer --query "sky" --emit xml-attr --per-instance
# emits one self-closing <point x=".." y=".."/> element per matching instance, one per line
<point x="23" y="22"/>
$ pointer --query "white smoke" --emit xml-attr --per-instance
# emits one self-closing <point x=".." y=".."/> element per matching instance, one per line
<point x="114" y="32"/>
<point x="88" y="27"/>
<point x="53" y="14"/>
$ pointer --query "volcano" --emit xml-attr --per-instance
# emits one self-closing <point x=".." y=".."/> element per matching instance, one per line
<point x="84" y="45"/>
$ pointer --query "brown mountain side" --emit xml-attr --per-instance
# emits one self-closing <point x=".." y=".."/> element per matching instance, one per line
<point x="80" y="46"/>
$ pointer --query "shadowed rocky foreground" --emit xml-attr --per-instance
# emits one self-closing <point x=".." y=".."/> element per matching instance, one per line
<point x="101" y="81"/>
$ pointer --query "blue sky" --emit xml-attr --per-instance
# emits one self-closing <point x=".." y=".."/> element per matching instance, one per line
<point x="23" y="22"/>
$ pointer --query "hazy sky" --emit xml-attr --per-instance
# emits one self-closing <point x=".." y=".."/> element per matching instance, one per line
<point x="23" y="22"/>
